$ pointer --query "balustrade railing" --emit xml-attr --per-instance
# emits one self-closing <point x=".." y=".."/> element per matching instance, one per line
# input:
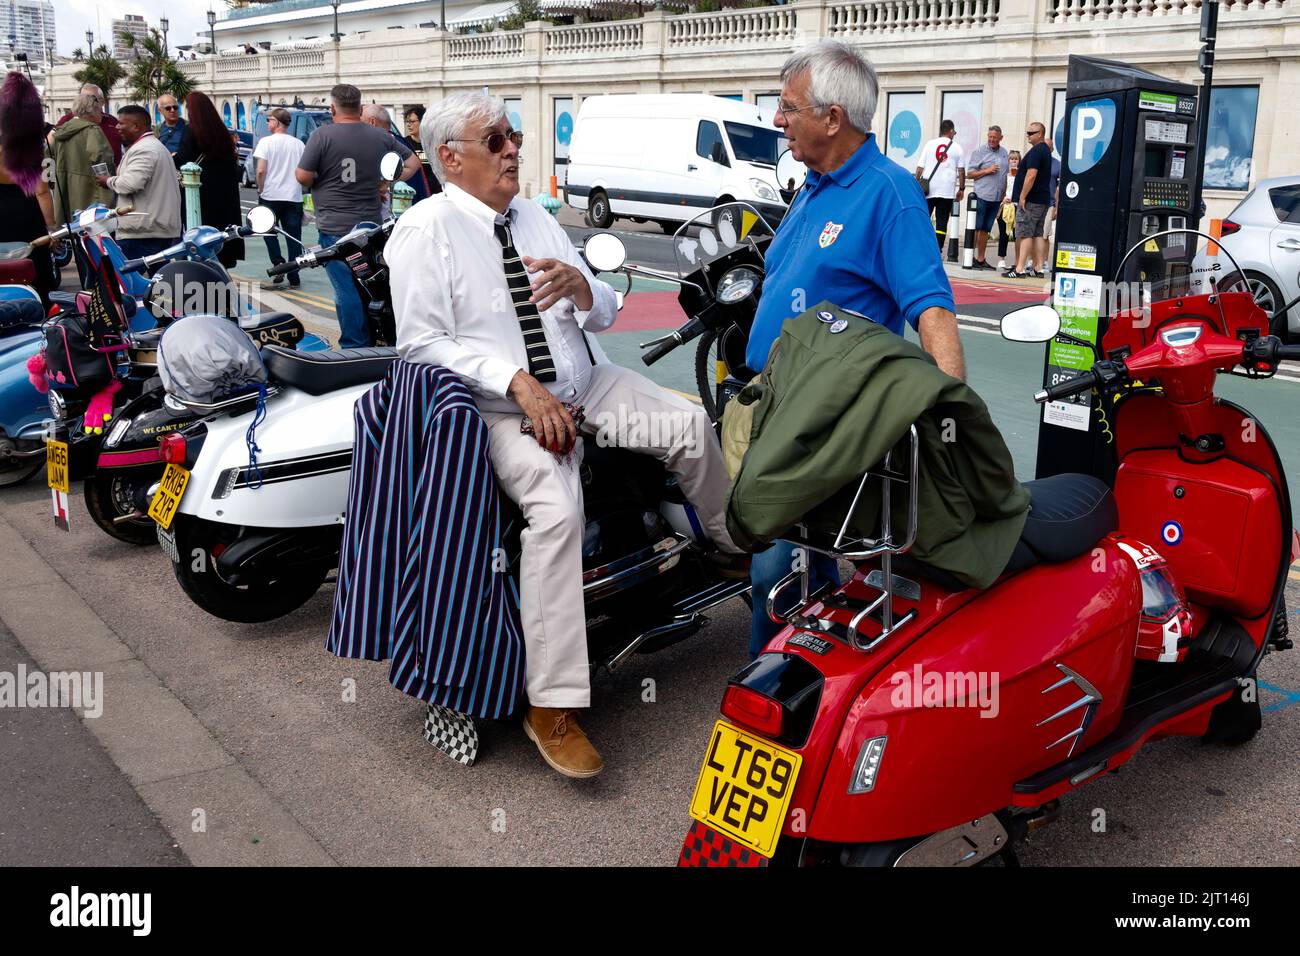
<point x="595" y="38"/>
<point x="732" y="27"/>
<point x="848" y="20"/>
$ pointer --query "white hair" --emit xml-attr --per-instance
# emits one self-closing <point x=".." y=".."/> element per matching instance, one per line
<point x="452" y="119"/>
<point x="88" y="103"/>
<point x="838" y="75"/>
<point x="375" y="111"/>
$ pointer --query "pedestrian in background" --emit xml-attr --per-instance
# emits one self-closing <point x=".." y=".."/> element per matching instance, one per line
<point x="147" y="180"/>
<point x="106" y="121"/>
<point x="1054" y="191"/>
<point x="1007" y="211"/>
<point x="171" y="130"/>
<point x="207" y="143"/>
<point x="943" y="164"/>
<point x="1031" y="195"/>
<point x="277" y="157"/>
<point x="78" y="146"/>
<point x="989" y="164"/>
<point x="412" y="141"/>
<point x="379" y="117"/>
<point x="26" y="204"/>
<point x="341" y="167"/>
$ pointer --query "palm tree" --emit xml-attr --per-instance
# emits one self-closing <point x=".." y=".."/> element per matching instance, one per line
<point x="102" y="69"/>
<point x="154" y="72"/>
<point x="78" y="54"/>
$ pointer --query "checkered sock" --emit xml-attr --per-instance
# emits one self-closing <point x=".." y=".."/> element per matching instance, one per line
<point x="453" y="733"/>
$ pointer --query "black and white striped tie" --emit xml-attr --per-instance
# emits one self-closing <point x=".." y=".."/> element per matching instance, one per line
<point x="540" y="364"/>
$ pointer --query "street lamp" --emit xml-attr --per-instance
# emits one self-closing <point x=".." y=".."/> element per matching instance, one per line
<point x="90" y="43"/>
<point x="335" y="5"/>
<point x="212" y="32"/>
<point x="164" y="23"/>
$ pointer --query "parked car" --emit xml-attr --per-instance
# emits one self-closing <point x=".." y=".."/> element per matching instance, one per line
<point x="304" y="123"/>
<point x="666" y="156"/>
<point x="244" y="147"/>
<point x="1263" y="234"/>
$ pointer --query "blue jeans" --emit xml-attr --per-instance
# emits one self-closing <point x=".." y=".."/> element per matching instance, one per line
<point x="354" y="332"/>
<point x="986" y="211"/>
<point x="289" y="218"/>
<point x="768" y="568"/>
<point x="139" y="248"/>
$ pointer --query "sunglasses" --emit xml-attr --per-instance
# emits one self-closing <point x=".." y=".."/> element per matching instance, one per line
<point x="170" y="109"/>
<point x="1033" y="132"/>
<point x="495" y="141"/>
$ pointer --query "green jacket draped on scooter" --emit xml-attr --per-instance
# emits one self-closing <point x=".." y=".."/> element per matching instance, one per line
<point x="829" y="405"/>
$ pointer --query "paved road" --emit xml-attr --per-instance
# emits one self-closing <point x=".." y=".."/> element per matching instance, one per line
<point x="252" y="723"/>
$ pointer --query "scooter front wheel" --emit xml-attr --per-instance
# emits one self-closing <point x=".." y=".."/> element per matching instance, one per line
<point x="254" y="602"/>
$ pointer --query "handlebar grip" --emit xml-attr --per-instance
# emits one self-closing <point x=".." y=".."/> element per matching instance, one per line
<point x="659" y="351"/>
<point x="244" y="232"/>
<point x="1080" y="383"/>
<point x="1288" y="352"/>
<point x="124" y="209"/>
<point x="132" y="265"/>
<point x="284" y="268"/>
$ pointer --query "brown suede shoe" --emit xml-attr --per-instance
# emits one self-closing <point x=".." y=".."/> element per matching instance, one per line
<point x="730" y="564"/>
<point x="562" y="743"/>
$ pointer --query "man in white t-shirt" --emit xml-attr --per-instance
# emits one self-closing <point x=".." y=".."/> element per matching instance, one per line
<point x="277" y="157"/>
<point x="944" y="162"/>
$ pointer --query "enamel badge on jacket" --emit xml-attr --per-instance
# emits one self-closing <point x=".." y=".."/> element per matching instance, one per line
<point x="830" y="233"/>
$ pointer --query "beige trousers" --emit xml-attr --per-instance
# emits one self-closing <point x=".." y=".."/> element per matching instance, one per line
<point x="627" y="410"/>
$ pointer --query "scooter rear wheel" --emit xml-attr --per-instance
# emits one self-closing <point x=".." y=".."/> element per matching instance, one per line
<point x="15" y="472"/>
<point x="252" y="603"/>
<point x="109" y="497"/>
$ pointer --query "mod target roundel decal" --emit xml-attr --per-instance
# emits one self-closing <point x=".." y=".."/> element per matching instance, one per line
<point x="1172" y="532"/>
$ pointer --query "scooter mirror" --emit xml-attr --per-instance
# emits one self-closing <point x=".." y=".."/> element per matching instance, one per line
<point x="790" y="173"/>
<point x="605" y="252"/>
<point x="261" y="219"/>
<point x="389" y="165"/>
<point x="1037" y="323"/>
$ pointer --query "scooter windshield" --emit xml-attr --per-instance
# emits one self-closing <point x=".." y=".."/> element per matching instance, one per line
<point x="718" y="232"/>
<point x="1176" y="264"/>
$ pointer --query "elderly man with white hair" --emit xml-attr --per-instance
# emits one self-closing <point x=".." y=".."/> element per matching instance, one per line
<point x="858" y="234"/>
<point x="489" y="286"/>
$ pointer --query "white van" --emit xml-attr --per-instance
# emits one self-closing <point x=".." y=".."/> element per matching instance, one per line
<point x="664" y="157"/>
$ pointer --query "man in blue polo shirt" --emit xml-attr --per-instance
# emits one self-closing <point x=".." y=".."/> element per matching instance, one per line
<point x="858" y="235"/>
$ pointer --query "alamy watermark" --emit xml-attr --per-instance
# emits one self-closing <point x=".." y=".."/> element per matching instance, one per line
<point x="921" y="688"/>
<point x="83" y="690"/>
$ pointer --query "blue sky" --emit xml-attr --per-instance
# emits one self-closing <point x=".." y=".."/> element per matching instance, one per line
<point x="74" y="17"/>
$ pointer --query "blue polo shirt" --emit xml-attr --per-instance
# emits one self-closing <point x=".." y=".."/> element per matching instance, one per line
<point x="860" y="237"/>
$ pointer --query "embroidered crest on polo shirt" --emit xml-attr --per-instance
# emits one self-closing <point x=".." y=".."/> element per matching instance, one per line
<point x="829" y="234"/>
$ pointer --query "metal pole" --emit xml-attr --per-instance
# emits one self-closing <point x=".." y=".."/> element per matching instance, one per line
<point x="1209" y="32"/>
<point x="443" y="19"/>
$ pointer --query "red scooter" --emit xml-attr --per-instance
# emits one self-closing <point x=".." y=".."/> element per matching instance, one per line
<point x="905" y="720"/>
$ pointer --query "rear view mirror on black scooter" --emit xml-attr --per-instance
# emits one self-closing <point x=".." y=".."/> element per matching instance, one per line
<point x="1036" y="323"/>
<point x="389" y="166"/>
<point x="605" y="252"/>
<point x="790" y="174"/>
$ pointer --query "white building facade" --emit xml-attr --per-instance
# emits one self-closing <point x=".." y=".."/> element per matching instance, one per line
<point x="979" y="62"/>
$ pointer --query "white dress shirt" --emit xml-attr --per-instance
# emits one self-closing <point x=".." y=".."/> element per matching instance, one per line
<point x="453" y="304"/>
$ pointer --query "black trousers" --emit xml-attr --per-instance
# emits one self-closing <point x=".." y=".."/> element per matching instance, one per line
<point x="940" y="210"/>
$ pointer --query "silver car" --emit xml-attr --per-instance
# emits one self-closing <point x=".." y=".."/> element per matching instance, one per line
<point x="1263" y="234"/>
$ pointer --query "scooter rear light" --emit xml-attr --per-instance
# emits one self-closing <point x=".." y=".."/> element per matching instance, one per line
<point x="1228" y="228"/>
<point x="752" y="710"/>
<point x="173" y="448"/>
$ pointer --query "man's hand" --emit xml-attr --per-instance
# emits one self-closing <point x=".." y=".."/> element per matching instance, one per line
<point x="102" y="180"/>
<point x="553" y="280"/>
<point x="553" y="426"/>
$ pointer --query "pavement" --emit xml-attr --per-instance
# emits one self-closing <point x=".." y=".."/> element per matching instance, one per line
<point x="249" y="744"/>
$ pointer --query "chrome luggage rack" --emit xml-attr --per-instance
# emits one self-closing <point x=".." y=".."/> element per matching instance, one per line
<point x="859" y="549"/>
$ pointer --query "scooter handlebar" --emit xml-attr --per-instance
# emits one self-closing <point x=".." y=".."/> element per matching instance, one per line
<point x="673" y="339"/>
<point x="1073" y="386"/>
<point x="132" y="265"/>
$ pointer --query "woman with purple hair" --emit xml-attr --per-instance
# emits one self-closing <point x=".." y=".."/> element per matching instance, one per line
<point x="26" y="205"/>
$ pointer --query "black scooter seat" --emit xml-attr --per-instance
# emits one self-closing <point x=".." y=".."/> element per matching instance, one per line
<point x="1068" y="515"/>
<point x="319" y="372"/>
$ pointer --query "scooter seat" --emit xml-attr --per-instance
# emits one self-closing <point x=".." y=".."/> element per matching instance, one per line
<point x="273" y="328"/>
<point x="67" y="301"/>
<point x="319" y="372"/>
<point x="1068" y="515"/>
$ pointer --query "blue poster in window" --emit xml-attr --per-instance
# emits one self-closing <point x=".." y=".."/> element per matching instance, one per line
<point x="1230" y="143"/>
<point x="903" y="130"/>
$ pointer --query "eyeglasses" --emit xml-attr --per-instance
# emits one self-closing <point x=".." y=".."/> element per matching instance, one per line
<point x="785" y="111"/>
<point x="496" y="140"/>
<point x="1033" y="132"/>
<point x="170" y="109"/>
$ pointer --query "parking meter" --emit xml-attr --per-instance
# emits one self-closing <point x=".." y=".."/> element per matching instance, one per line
<point x="1129" y="168"/>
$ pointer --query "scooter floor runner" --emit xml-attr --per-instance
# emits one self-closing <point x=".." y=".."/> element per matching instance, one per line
<point x="1160" y="691"/>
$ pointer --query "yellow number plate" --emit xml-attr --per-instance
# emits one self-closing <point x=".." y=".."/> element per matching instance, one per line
<point x="168" y="496"/>
<point x="745" y="788"/>
<point x="56" y="465"/>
